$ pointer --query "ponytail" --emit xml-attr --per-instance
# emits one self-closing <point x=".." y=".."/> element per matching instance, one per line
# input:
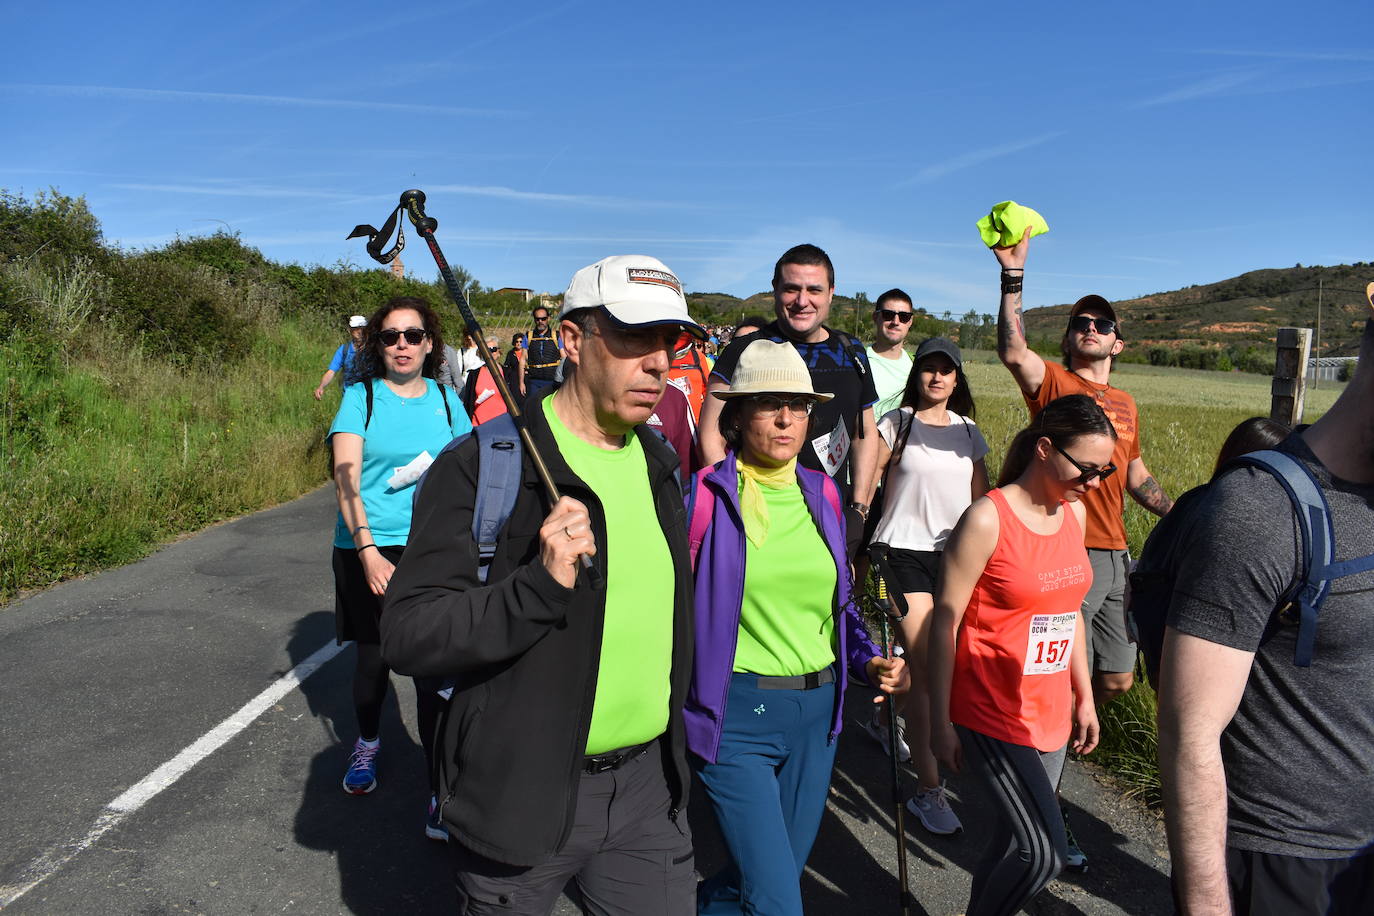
<point x="1062" y="421"/>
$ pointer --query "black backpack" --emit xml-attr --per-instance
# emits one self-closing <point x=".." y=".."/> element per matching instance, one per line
<point x="1152" y="581"/>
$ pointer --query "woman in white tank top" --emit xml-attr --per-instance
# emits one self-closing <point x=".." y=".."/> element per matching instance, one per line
<point x="931" y="460"/>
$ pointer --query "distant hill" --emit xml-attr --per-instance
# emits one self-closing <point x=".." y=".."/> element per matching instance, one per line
<point x="1238" y="314"/>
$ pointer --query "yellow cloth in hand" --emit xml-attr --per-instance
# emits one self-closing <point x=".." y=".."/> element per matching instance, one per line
<point x="1007" y="222"/>
<point x="753" y="508"/>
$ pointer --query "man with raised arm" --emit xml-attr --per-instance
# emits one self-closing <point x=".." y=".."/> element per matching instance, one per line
<point x="1267" y="767"/>
<point x="1091" y="342"/>
<point x="843" y="432"/>
<point x="563" y="754"/>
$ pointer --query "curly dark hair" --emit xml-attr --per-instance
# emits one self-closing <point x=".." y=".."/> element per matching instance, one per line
<point x="369" y="364"/>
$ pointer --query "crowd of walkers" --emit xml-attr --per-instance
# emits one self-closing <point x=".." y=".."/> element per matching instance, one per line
<point x="687" y="611"/>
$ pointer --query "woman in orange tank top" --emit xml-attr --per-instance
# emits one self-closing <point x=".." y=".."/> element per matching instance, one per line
<point x="1009" y="684"/>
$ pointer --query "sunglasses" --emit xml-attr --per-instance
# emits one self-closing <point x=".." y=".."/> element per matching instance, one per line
<point x="413" y="336"/>
<point x="1088" y="472"/>
<point x="494" y="349"/>
<point x="890" y="315"/>
<point x="767" y="406"/>
<point x="1082" y="323"/>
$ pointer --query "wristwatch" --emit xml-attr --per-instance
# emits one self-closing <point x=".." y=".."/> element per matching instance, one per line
<point x="861" y="508"/>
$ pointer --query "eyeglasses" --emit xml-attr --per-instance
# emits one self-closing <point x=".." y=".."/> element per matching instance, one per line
<point x="1081" y="323"/>
<point x="413" y="336"/>
<point x="494" y="349"/>
<point x="767" y="406"/>
<point x="890" y="315"/>
<point x="541" y="317"/>
<point x="1089" y="473"/>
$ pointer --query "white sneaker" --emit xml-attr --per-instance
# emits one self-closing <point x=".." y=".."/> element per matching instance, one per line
<point x="934" y="811"/>
<point x="877" y="728"/>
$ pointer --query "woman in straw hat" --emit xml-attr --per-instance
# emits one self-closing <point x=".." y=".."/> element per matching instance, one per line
<point x="776" y="635"/>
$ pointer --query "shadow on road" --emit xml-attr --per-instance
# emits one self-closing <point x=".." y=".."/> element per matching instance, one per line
<point x="385" y="863"/>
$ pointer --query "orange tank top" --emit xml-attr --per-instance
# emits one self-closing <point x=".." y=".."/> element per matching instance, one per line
<point x="1011" y="657"/>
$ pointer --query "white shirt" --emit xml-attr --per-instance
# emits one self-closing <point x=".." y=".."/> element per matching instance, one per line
<point x="929" y="488"/>
<point x="889" y="378"/>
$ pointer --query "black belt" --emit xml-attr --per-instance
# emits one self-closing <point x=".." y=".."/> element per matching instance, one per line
<point x="613" y="760"/>
<point x="798" y="682"/>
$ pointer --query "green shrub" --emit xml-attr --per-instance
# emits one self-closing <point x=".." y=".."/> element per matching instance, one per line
<point x="186" y="313"/>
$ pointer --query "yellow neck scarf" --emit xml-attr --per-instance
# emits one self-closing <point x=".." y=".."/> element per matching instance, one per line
<point x="752" y="506"/>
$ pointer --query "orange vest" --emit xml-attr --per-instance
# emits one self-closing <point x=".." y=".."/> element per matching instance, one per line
<point x="689" y="375"/>
<point x="1011" y="657"/>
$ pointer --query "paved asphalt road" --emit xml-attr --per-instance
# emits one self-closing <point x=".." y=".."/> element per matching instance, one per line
<point x="108" y="678"/>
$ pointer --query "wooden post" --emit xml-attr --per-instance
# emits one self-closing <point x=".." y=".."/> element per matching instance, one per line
<point x="1290" y="375"/>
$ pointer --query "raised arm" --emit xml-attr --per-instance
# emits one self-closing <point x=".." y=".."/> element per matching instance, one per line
<point x="1027" y="366"/>
<point x="1201" y="684"/>
<point x="1145" y="490"/>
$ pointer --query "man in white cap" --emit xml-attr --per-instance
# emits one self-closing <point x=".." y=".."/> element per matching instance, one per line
<point x="343" y="357"/>
<point x="564" y="753"/>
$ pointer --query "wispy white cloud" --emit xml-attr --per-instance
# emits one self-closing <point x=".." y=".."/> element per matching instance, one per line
<point x="1337" y="56"/>
<point x="228" y="189"/>
<point x="180" y="95"/>
<point x="1212" y="85"/>
<point x="975" y="157"/>
<point x="581" y="200"/>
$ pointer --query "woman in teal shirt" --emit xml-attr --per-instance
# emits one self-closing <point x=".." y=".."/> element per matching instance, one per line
<point x="388" y="428"/>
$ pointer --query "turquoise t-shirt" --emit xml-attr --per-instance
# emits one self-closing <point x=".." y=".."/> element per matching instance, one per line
<point x="786" y="620"/>
<point x="401" y="429"/>
<point x="633" y="678"/>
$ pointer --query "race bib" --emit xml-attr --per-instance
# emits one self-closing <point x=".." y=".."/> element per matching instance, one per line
<point x="1051" y="643"/>
<point x="832" y="447"/>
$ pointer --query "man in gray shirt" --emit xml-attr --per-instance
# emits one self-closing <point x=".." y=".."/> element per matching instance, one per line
<point x="1267" y="767"/>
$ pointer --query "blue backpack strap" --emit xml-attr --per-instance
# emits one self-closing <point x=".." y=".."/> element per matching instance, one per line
<point x="1306" y="594"/>
<point x="498" y="484"/>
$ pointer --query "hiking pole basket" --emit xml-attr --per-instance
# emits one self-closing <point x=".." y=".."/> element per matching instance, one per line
<point x="412" y="203"/>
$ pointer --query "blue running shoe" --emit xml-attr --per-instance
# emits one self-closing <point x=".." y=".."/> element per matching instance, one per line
<point x="434" y="824"/>
<point x="361" y="777"/>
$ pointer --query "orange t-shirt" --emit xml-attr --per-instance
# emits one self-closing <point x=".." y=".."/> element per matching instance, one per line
<point x="1106" y="528"/>
<point x="1011" y="659"/>
<point x="487" y="401"/>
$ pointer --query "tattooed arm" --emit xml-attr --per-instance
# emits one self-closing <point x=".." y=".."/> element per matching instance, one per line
<point x="1145" y="490"/>
<point x="1025" y="364"/>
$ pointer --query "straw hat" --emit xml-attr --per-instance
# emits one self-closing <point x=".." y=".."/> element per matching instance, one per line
<point x="770" y="367"/>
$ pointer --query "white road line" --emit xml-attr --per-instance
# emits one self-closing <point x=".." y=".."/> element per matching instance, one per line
<point x="139" y="794"/>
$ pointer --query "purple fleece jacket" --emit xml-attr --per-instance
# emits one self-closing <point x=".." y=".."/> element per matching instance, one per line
<point x="720" y="594"/>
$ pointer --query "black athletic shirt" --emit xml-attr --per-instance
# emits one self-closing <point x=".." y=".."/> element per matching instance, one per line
<point x="833" y="371"/>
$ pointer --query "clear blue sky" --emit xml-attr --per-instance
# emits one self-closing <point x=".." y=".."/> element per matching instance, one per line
<point x="1166" y="143"/>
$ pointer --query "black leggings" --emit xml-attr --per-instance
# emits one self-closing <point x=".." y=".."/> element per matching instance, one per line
<point x="1028" y="847"/>
<point x="370" y="681"/>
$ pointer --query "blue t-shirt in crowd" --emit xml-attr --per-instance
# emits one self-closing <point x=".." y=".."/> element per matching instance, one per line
<point x="343" y="358"/>
<point x="401" y="429"/>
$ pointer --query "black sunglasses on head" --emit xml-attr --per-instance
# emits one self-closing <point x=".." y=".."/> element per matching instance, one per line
<point x="1088" y="472"/>
<point x="1082" y="323"/>
<point x="890" y="314"/>
<point x="413" y="336"/>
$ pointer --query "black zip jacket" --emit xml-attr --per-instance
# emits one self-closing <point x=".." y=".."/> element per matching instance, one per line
<point x="523" y="649"/>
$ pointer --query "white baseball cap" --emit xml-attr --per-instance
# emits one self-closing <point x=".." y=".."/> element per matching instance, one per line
<point x="634" y="289"/>
<point x="357" y="321"/>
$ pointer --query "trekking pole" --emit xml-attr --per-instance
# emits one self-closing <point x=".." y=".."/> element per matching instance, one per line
<point x="413" y="203"/>
<point x="889" y="613"/>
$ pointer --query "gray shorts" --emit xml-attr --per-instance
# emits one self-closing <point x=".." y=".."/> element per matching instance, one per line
<point x="1110" y="649"/>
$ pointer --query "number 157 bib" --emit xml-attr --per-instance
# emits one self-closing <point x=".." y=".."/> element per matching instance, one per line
<point x="1051" y="642"/>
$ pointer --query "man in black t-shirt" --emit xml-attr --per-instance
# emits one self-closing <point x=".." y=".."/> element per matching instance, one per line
<point x="1266" y="766"/>
<point x="843" y="434"/>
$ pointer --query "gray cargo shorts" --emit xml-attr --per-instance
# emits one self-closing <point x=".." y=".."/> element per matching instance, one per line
<point x="1110" y="649"/>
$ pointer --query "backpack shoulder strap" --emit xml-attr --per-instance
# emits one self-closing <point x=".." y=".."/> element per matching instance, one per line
<point x="701" y="506"/>
<point x="367" y="420"/>
<point x="1305" y="596"/>
<point x="498" y="484"/>
<point x="832" y="495"/>
<point x="448" y="414"/>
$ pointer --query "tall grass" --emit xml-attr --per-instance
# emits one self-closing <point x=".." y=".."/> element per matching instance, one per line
<point x="122" y="448"/>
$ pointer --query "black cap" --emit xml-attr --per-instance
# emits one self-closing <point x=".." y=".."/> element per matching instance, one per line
<point x="1096" y="303"/>
<point x="939" y="345"/>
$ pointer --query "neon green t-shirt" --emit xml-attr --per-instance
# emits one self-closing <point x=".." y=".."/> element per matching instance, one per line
<point x="633" y="678"/>
<point x="786" y="626"/>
